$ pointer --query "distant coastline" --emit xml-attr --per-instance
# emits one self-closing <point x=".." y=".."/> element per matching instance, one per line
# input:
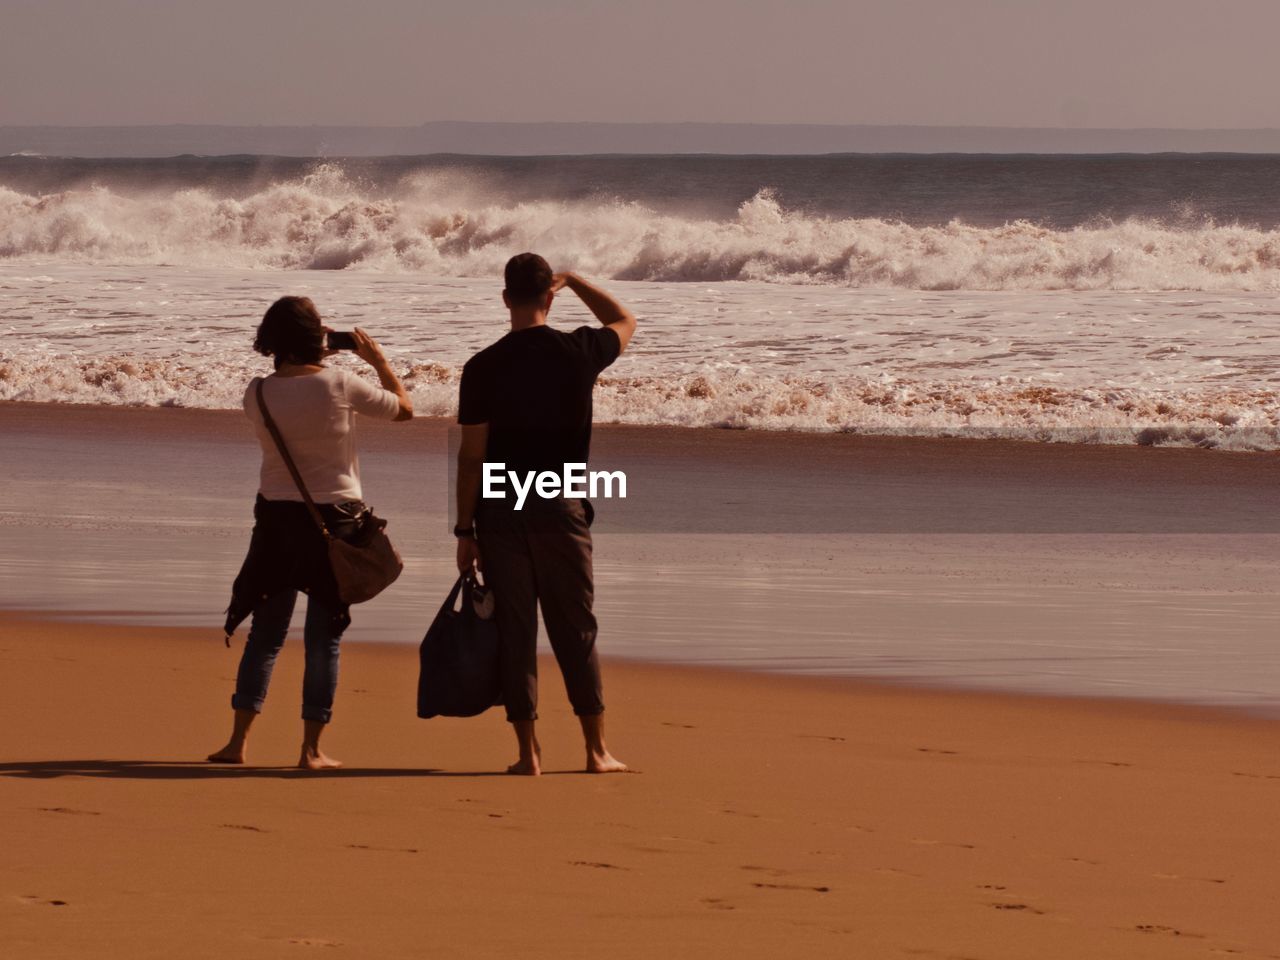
<point x="551" y="139"/>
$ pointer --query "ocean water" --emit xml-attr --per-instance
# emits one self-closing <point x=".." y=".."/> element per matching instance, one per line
<point x="1099" y="299"/>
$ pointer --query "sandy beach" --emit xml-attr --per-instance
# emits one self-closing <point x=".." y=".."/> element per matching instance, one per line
<point x="773" y="817"/>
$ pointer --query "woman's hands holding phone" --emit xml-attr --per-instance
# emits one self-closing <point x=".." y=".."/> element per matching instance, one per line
<point x="367" y="349"/>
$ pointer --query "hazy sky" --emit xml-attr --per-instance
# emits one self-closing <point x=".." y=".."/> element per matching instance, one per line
<point x="1113" y="63"/>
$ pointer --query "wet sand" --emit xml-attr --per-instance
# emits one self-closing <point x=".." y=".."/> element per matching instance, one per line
<point x="700" y="480"/>
<point x="1140" y="572"/>
<point x="774" y="817"/>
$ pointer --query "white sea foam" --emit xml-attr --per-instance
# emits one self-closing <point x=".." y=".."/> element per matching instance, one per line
<point x="1092" y="366"/>
<point x="1235" y="419"/>
<point x="443" y="225"/>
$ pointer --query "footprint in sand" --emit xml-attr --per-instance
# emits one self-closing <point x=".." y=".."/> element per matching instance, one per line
<point x="365" y="846"/>
<point x="820" y="736"/>
<point x="1021" y="907"/>
<point x="304" y="941"/>
<point x="69" y="810"/>
<point x="1175" y="876"/>
<point x="717" y="904"/>
<point x="33" y="901"/>
<point x="682" y="726"/>
<point x="595" y="864"/>
<point x="949" y="753"/>
<point x="1168" y="931"/>
<point x="242" y="826"/>
<point x="943" y="843"/>
<point x="1105" y="763"/>
<point x="791" y="886"/>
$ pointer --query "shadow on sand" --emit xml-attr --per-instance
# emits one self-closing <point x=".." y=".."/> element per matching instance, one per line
<point x="182" y="770"/>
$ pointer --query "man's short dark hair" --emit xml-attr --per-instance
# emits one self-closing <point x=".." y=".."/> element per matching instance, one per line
<point x="528" y="278"/>
<point x="291" y="332"/>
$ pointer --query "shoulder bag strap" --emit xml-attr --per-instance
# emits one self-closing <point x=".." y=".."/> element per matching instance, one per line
<point x="288" y="462"/>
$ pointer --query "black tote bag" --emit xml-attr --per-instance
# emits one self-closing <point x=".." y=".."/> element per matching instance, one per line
<point x="458" y="660"/>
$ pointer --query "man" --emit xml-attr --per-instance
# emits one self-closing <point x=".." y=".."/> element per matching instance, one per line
<point x="525" y="402"/>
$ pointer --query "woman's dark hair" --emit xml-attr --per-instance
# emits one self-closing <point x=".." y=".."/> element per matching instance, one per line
<point x="291" y="332"/>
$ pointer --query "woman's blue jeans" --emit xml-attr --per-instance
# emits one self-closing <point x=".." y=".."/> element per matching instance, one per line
<point x="321" y="635"/>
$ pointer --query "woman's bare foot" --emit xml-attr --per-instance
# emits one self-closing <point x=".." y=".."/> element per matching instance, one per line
<point x="605" y="763"/>
<point x="314" y="759"/>
<point x="231" y="753"/>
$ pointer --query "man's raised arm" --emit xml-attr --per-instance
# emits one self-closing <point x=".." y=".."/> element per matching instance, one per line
<point x="606" y="309"/>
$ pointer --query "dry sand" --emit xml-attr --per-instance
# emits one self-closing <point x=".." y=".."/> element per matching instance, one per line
<point x="774" y="817"/>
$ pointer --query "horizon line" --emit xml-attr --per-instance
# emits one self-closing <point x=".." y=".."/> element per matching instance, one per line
<point x="644" y="123"/>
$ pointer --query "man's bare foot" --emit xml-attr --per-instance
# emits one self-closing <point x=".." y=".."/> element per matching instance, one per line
<point x="605" y="763"/>
<point x="315" y="760"/>
<point x="599" y="759"/>
<point x="531" y="767"/>
<point x="228" y="754"/>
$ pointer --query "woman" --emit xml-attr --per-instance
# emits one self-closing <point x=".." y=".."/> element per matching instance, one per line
<point x="314" y="408"/>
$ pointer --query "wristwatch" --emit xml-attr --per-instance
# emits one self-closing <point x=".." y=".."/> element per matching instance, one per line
<point x="467" y="533"/>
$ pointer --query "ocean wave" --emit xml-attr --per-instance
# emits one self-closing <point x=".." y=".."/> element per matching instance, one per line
<point x="446" y="226"/>
<point x="1231" y="419"/>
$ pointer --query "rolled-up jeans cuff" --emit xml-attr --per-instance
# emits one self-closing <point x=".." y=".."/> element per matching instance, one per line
<point x="526" y="718"/>
<point x="319" y="714"/>
<point x="589" y="712"/>
<point x="245" y="703"/>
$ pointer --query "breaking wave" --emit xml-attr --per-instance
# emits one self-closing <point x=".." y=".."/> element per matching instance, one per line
<point x="447" y="227"/>
<point x="1232" y="419"/>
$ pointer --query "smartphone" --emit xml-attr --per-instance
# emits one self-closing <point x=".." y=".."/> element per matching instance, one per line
<point x="340" y="340"/>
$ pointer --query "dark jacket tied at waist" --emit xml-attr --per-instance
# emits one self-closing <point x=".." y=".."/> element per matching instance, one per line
<point x="288" y="552"/>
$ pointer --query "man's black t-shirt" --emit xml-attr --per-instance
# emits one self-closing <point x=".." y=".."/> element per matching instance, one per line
<point x="533" y="388"/>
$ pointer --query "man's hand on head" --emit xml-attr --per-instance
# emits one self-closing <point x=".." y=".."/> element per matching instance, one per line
<point x="559" y="281"/>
